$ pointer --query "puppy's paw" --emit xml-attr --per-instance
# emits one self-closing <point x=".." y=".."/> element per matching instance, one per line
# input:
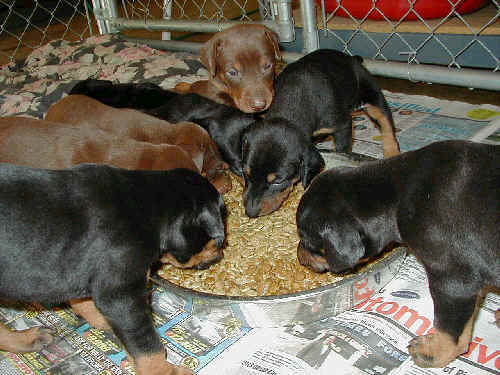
<point x="182" y="88"/>
<point x="434" y="350"/>
<point x="418" y="349"/>
<point x="30" y="340"/>
<point x="155" y="364"/>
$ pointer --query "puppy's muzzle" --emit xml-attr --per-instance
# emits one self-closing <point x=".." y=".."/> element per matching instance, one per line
<point x="255" y="207"/>
<point x="211" y="253"/>
<point x="315" y="262"/>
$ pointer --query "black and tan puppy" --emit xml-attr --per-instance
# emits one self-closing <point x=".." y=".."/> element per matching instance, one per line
<point x="225" y="124"/>
<point x="94" y="231"/>
<point x="443" y="201"/>
<point x="314" y="96"/>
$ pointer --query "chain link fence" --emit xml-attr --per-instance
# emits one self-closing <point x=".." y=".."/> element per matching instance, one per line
<point x="460" y="47"/>
<point x="465" y="34"/>
<point x="28" y="24"/>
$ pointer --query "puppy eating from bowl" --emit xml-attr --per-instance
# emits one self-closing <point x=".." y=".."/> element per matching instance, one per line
<point x="315" y="96"/>
<point x="443" y="201"/>
<point x="93" y="231"/>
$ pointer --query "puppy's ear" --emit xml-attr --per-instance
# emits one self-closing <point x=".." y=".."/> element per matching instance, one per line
<point x="312" y="163"/>
<point x="344" y="245"/>
<point x="213" y="225"/>
<point x="273" y="38"/>
<point x="208" y="54"/>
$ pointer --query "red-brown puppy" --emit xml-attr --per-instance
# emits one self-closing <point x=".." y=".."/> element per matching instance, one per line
<point x="46" y="144"/>
<point x="84" y="111"/>
<point x="241" y="64"/>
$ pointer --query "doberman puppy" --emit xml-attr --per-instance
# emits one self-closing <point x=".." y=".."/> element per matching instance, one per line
<point x="315" y="95"/>
<point x="443" y="201"/>
<point x="45" y="144"/>
<point x="241" y="63"/>
<point x="223" y="123"/>
<point x="125" y="123"/>
<point x="94" y="231"/>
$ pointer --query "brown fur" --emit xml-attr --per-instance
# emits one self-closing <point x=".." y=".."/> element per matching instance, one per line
<point x="46" y="144"/>
<point x="241" y="62"/>
<point x="86" y="112"/>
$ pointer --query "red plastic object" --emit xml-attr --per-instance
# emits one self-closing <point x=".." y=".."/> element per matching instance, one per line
<point x="396" y="10"/>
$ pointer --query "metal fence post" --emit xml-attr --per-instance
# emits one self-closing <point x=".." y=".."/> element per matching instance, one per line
<point x="105" y="9"/>
<point x="282" y="15"/>
<point x="310" y="29"/>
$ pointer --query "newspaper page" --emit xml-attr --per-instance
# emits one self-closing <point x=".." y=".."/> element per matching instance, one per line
<point x="421" y="120"/>
<point x="371" y="338"/>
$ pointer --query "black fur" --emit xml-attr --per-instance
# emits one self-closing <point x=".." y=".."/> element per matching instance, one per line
<point x="140" y="96"/>
<point x="224" y="124"/>
<point x="94" y="231"/>
<point x="318" y="91"/>
<point x="442" y="200"/>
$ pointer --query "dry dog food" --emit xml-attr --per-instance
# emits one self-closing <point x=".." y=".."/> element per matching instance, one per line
<point x="260" y="257"/>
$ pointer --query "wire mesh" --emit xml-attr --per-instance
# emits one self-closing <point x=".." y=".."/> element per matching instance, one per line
<point x="28" y="24"/>
<point x="454" y="40"/>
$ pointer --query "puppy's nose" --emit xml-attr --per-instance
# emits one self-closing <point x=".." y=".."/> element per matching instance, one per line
<point x="252" y="208"/>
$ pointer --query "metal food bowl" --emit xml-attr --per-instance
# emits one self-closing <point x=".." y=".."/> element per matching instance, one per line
<point x="290" y="309"/>
<point x="294" y="308"/>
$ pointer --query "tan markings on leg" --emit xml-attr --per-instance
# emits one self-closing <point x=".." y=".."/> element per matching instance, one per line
<point x="390" y="143"/>
<point x="210" y="254"/>
<point x="29" y="340"/>
<point x="220" y="180"/>
<point x="439" y="349"/>
<point x="86" y="308"/>
<point x="182" y="88"/>
<point x="323" y="131"/>
<point x="156" y="364"/>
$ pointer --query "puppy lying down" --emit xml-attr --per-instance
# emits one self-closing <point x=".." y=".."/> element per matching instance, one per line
<point x="128" y="123"/>
<point x="46" y="144"/>
<point x="443" y="201"/>
<point x="94" y="231"/>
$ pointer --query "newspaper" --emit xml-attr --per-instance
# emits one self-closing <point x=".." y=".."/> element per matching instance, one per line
<point x="421" y="120"/>
<point x="369" y="338"/>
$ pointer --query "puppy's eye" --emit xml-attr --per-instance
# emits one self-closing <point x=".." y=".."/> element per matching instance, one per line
<point x="267" y="66"/>
<point x="273" y="179"/>
<point x="232" y="73"/>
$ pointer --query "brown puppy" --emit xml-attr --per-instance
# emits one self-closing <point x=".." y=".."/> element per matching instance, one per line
<point x="45" y="144"/>
<point x="127" y="123"/>
<point x="241" y="62"/>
